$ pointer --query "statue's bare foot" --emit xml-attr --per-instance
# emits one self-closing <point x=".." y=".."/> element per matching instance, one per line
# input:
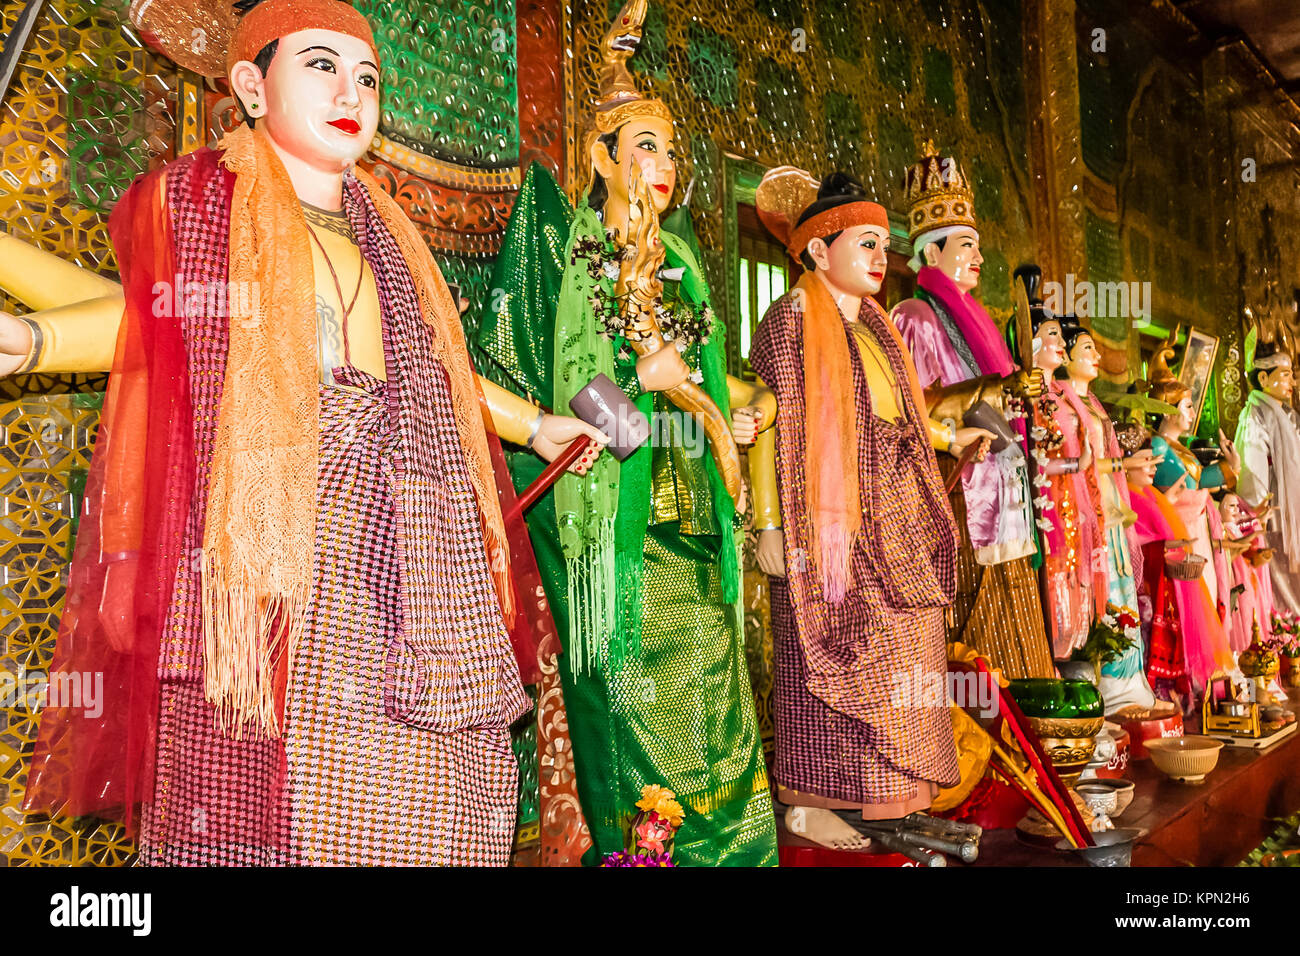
<point x="824" y="828"/>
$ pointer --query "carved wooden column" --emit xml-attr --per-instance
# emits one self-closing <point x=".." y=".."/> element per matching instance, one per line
<point x="540" y="35"/>
<point x="1055" y="152"/>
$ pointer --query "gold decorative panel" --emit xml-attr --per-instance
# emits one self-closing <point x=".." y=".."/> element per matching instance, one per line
<point x="88" y="109"/>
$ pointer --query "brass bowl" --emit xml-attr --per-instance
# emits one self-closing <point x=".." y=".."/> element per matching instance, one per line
<point x="1069" y="755"/>
<point x="1065" y="727"/>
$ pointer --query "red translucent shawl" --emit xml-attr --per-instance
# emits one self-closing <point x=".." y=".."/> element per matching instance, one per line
<point x="98" y="760"/>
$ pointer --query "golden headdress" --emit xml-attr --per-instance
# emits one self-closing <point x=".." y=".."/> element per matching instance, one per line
<point x="784" y="193"/>
<point x="1165" y="386"/>
<point x="618" y="101"/>
<point x="938" y="193"/>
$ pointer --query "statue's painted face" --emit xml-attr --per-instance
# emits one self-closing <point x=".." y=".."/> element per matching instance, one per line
<point x="1230" y="509"/>
<point x="856" y="261"/>
<point x="1278" y="383"/>
<point x="1049" y="346"/>
<point x="959" y="259"/>
<point x="1183" y="420"/>
<point x="319" y="100"/>
<point x="645" y="143"/>
<point x="1144" y="475"/>
<point x="1085" y="361"/>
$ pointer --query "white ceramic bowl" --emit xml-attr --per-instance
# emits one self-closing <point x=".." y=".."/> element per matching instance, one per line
<point x="1186" y="759"/>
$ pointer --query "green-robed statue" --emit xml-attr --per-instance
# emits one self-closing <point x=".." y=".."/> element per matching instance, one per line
<point x="640" y="558"/>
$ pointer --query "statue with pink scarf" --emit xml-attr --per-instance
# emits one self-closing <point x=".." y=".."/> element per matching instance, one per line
<point x="962" y="361"/>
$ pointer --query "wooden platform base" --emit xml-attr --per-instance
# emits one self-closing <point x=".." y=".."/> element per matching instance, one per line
<point x="1214" y="824"/>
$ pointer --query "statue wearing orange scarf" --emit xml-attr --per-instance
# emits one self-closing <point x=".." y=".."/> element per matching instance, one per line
<point x="293" y="574"/>
<point x="860" y="541"/>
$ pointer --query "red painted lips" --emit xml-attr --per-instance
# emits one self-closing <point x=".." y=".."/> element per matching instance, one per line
<point x="347" y="125"/>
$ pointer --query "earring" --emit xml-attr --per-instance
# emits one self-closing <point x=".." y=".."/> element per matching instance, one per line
<point x="254" y="106"/>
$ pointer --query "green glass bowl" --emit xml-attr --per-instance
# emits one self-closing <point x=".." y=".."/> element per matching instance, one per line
<point x="1041" y="697"/>
<point x="1082" y="695"/>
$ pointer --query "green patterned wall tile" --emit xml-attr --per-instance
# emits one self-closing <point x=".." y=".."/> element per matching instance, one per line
<point x="939" y="89"/>
<point x="843" y="132"/>
<point x="474" y="276"/>
<point x="105" y="139"/>
<point x="987" y="179"/>
<point x="778" y="98"/>
<point x="651" y="58"/>
<point x="705" y="159"/>
<point x="523" y="742"/>
<point x="1097" y="120"/>
<point x="893" y="57"/>
<point x="449" y="77"/>
<point x="1108" y="83"/>
<point x="840" y="32"/>
<point x="995" y="280"/>
<point x="783" y="11"/>
<point x="1105" y="264"/>
<point x="982" y="109"/>
<point x="896" y="148"/>
<point x="712" y="60"/>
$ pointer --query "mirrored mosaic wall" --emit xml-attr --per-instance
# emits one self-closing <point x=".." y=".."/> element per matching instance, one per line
<point x="827" y="86"/>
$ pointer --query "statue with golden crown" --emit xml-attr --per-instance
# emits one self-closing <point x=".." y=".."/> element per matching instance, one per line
<point x="292" y="570"/>
<point x="640" y="558"/>
<point x="856" y="532"/>
<point x="962" y="361"/>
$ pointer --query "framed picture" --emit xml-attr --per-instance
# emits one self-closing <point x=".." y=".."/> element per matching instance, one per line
<point x="1198" y="368"/>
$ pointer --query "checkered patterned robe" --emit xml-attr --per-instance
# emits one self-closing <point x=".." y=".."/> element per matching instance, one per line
<point x="396" y="745"/>
<point x="852" y="719"/>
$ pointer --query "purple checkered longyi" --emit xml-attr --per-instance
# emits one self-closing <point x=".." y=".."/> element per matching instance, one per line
<point x="848" y="724"/>
<point x="396" y="744"/>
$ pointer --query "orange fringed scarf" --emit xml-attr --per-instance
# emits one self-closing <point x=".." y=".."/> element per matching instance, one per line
<point x="832" y="432"/>
<point x="259" y="536"/>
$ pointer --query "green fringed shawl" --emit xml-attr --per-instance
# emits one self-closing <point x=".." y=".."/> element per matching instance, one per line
<point x="603" y="516"/>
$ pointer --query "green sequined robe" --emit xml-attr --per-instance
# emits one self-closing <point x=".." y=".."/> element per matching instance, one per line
<point x="678" y="710"/>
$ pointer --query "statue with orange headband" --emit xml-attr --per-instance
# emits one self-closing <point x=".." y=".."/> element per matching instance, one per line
<point x="292" y="573"/>
<point x="967" y="372"/>
<point x="859" y="540"/>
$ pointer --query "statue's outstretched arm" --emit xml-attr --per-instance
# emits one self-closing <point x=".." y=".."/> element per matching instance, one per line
<point x="79" y="337"/>
<point x="43" y="280"/>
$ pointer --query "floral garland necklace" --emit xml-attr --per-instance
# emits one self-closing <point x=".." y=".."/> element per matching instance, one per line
<point x="1046" y="437"/>
<point x="682" y="324"/>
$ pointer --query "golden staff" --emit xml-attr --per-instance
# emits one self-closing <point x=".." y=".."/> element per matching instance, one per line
<point x="639" y="280"/>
